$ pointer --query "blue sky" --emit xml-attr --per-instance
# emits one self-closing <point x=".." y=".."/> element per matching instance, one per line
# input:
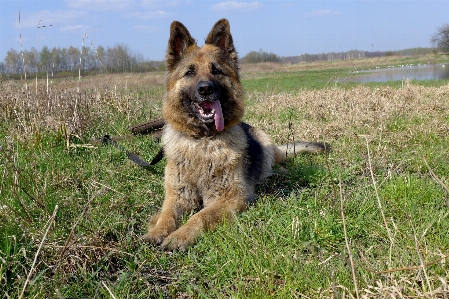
<point x="286" y="28"/>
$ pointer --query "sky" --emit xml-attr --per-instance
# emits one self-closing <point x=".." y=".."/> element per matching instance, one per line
<point x="286" y="28"/>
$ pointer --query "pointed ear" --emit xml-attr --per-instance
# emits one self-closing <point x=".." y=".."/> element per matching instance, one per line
<point x="220" y="36"/>
<point x="179" y="41"/>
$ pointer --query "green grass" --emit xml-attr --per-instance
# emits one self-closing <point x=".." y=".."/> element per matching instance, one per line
<point x="292" y="81"/>
<point x="290" y="244"/>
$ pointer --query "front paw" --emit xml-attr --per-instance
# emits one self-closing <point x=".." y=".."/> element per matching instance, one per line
<point x="178" y="240"/>
<point x="156" y="235"/>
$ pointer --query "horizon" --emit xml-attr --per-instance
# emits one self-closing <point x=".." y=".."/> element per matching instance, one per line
<point x="143" y="25"/>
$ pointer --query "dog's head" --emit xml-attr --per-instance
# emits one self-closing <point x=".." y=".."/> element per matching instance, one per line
<point x="204" y="94"/>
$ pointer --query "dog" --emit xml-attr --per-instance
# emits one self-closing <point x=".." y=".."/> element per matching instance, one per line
<point x="214" y="160"/>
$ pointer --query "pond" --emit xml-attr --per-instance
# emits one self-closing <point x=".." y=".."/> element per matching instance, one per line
<point x="402" y="72"/>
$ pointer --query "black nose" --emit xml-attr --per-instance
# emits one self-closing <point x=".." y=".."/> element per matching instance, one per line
<point x="205" y="88"/>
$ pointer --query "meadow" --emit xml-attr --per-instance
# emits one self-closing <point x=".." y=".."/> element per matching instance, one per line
<point x="368" y="220"/>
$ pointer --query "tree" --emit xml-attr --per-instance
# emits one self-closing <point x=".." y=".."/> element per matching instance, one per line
<point x="31" y="59"/>
<point x="261" y="56"/>
<point x="119" y="58"/>
<point x="55" y="60"/>
<point x="2" y="69"/>
<point x="65" y="64"/>
<point x="101" y="55"/>
<point x="440" y="39"/>
<point x="45" y="58"/>
<point x="73" y="56"/>
<point x="13" y="61"/>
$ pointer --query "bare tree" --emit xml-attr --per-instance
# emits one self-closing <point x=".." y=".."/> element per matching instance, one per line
<point x="31" y="59"/>
<point x="45" y="58"/>
<point x="55" y="60"/>
<point x="13" y="62"/>
<point x="101" y="55"/>
<point x="440" y="39"/>
<point x="73" y="56"/>
<point x="65" y="64"/>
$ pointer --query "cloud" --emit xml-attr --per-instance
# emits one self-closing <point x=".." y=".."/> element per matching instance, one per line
<point x="322" y="13"/>
<point x="74" y="28"/>
<point x="148" y="15"/>
<point x="146" y="28"/>
<point x="101" y="5"/>
<point x="163" y="3"/>
<point x="236" y="6"/>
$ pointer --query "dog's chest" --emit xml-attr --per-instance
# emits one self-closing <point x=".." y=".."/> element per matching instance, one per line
<point x="211" y="161"/>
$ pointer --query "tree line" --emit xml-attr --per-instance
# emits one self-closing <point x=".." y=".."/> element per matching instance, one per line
<point x="115" y="59"/>
<point x="121" y="59"/>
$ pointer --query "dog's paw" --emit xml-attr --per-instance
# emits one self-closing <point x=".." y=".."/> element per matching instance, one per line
<point x="155" y="235"/>
<point x="178" y="240"/>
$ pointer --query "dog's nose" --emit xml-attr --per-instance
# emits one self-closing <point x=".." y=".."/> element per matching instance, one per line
<point x="205" y="88"/>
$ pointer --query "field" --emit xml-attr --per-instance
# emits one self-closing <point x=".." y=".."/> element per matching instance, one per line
<point x="369" y="220"/>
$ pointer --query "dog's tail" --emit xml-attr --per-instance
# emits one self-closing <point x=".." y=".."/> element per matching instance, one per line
<point x="283" y="152"/>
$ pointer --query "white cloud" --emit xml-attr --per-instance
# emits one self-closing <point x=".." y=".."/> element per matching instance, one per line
<point x="148" y="15"/>
<point x="74" y="28"/>
<point x="236" y="6"/>
<point x="146" y="28"/>
<point x="101" y="5"/>
<point x="163" y="3"/>
<point x="322" y="13"/>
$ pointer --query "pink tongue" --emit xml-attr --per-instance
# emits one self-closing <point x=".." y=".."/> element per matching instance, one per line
<point x="218" y="115"/>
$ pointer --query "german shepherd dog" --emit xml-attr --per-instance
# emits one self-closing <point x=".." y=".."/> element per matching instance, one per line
<point x="214" y="160"/>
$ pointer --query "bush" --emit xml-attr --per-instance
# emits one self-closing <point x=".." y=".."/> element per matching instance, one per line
<point x="260" y="56"/>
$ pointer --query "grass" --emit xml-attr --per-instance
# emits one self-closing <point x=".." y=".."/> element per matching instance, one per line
<point x="388" y="169"/>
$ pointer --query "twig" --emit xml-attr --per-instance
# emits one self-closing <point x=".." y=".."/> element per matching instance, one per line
<point x="334" y="191"/>
<point x="328" y="259"/>
<point x="106" y="287"/>
<point x="421" y="261"/>
<point x="107" y="187"/>
<point x="436" y="178"/>
<point x="413" y="267"/>
<point x="377" y="193"/>
<point x="354" y="279"/>
<point x="38" y="251"/>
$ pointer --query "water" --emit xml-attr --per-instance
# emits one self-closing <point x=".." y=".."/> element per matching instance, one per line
<point x="417" y="72"/>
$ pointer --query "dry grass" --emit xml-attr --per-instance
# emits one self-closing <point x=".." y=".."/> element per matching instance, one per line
<point x="334" y="113"/>
<point x="70" y="112"/>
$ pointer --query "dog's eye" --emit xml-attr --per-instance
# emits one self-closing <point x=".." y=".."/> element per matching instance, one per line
<point x="190" y="73"/>
<point x="216" y="71"/>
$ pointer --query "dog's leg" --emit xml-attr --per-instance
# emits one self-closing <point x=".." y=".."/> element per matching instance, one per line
<point x="166" y="221"/>
<point x="206" y="219"/>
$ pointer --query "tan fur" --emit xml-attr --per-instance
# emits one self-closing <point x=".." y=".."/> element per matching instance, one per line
<point x="210" y="172"/>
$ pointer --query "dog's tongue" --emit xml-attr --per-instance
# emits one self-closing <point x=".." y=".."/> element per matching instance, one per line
<point x="218" y="115"/>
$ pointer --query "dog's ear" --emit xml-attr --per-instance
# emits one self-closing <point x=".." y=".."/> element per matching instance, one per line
<point x="180" y="40"/>
<point x="220" y="36"/>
